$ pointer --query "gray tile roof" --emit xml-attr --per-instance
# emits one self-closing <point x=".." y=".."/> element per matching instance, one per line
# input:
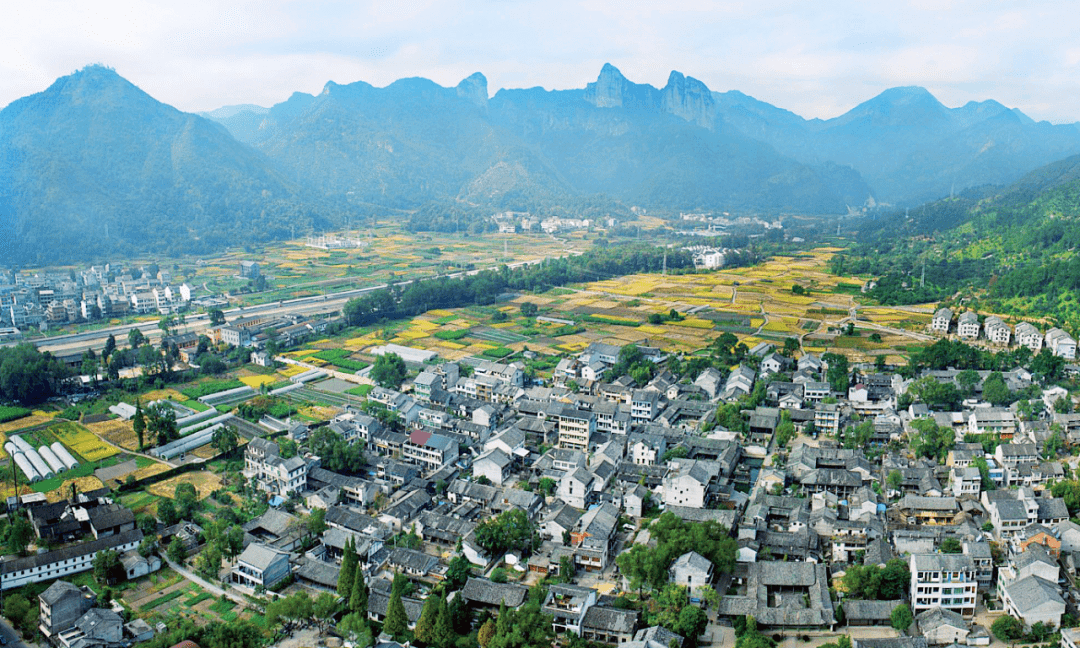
<point x="481" y="590"/>
<point x="1031" y="593"/>
<point x="610" y="619"/>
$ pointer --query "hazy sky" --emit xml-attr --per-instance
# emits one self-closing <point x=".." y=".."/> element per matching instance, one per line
<point x="818" y="59"/>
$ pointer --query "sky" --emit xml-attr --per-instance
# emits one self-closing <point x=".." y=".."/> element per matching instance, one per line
<point x="817" y="59"/>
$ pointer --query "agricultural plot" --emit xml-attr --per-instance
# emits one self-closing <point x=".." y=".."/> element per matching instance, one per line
<point x="205" y="482"/>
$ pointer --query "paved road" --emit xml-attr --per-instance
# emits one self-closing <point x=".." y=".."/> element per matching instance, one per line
<point x="10" y="635"/>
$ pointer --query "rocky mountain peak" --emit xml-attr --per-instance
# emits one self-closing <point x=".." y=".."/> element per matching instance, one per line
<point x="474" y="88"/>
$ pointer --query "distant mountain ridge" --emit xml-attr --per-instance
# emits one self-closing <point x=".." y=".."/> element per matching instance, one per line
<point x="95" y="156"/>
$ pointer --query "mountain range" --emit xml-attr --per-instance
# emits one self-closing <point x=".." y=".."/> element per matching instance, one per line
<point x="93" y="165"/>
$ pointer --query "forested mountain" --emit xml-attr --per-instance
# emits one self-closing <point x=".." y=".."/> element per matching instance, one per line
<point x="1014" y="247"/>
<point x="94" y="166"/>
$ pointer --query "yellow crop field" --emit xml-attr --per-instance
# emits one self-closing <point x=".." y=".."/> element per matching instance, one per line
<point x="84" y="442"/>
<point x="504" y="325"/>
<point x="292" y="370"/>
<point x="654" y="330"/>
<point x="447" y="344"/>
<point x="159" y="394"/>
<point x="82" y="485"/>
<point x="205" y="482"/>
<point x="35" y="419"/>
<point x="425" y="325"/>
<point x="256" y="382"/>
<point x="439" y="313"/>
<point x="695" y="323"/>
<point x="118" y="432"/>
<point x="413" y="334"/>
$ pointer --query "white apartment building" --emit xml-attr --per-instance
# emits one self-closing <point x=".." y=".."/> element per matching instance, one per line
<point x="1029" y="336"/>
<point x="968" y="326"/>
<point x="943" y="581"/>
<point x="942" y="320"/>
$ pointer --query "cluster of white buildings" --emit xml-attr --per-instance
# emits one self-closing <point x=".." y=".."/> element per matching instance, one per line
<point x="95" y="293"/>
<point x="996" y="331"/>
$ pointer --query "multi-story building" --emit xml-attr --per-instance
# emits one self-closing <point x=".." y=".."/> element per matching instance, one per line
<point x="261" y="566"/>
<point x="997" y="331"/>
<point x="576" y="428"/>
<point x="942" y="320"/>
<point x="432" y="451"/>
<point x="1061" y="344"/>
<point x="263" y="463"/>
<point x="967" y="326"/>
<point x="946" y="581"/>
<point x="1029" y="336"/>
<point x="60" y="606"/>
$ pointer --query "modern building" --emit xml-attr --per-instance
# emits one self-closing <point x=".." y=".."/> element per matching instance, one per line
<point x="943" y="581"/>
<point x="260" y="566"/>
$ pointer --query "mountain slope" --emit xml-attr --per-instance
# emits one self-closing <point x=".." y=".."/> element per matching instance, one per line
<point x="93" y="166"/>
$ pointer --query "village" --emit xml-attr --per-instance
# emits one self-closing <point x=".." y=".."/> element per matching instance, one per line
<point x="607" y="491"/>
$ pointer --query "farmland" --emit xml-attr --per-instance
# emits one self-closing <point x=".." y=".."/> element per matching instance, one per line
<point x="756" y="304"/>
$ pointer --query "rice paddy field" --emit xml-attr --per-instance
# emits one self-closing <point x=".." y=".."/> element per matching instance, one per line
<point x="755" y="304"/>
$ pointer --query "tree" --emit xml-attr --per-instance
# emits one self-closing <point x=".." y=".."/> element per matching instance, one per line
<point x="166" y="511"/>
<point x="460" y="616"/>
<point x="389" y="370"/>
<point x="547" y="485"/>
<point x="397" y="621"/>
<point x="217" y="317"/>
<point x="894" y="480"/>
<point x="529" y="309"/>
<point x="138" y="423"/>
<point x="901" y="617"/>
<point x="932" y="441"/>
<point x="968" y="380"/>
<point x="349" y="562"/>
<point x="509" y="531"/>
<point x="358" y="602"/>
<point x="1008" y="628"/>
<point x="316" y="522"/>
<point x="895" y="580"/>
<point x="425" y="625"/>
<point x="785" y="431"/>
<point x="19" y="535"/>
<point x="951" y="546"/>
<point x="458" y="573"/>
<point x="225" y="439"/>
<point x="90" y="364"/>
<point x="187" y="500"/>
<point x="325" y="607"/>
<point x="525" y="627"/>
<point x="110" y="346"/>
<point x="984" y="474"/>
<point x="995" y="390"/>
<point x="135" y="338"/>
<point x="161" y="422"/>
<point x="177" y="552"/>
<point x="692" y="622"/>
<point x="838" y="373"/>
<point x="107" y="567"/>
<point x="486" y="634"/>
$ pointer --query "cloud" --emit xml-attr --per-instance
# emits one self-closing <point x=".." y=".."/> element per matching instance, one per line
<point x="817" y="59"/>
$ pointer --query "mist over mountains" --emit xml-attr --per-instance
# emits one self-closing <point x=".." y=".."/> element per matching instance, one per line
<point x="94" y="166"/>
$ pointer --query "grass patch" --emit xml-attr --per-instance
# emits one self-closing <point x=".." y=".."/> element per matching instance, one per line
<point x="192" y="602"/>
<point x="362" y="390"/>
<point x="451" y="335"/>
<point x="446" y="319"/>
<point x="8" y="413"/>
<point x="221" y="607"/>
<point x="598" y="319"/>
<point x="212" y="387"/>
<point x="847" y="289"/>
<point x="340" y="358"/>
<point x="498" y="352"/>
<point x="146" y="607"/>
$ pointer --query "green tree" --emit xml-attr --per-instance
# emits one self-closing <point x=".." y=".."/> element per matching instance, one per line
<point x="968" y="380"/>
<point x="424" y="632"/>
<point x="19" y="535"/>
<point x="486" y="633"/>
<point x="457" y="573"/>
<point x="225" y="439"/>
<point x="176" y="551"/>
<point x="217" y="317"/>
<point x="107" y="567"/>
<point x="110" y="346"/>
<point x="397" y="621"/>
<point x="167" y="512"/>
<point x="509" y="531"/>
<point x="901" y="617"/>
<point x="389" y="370"/>
<point x="838" y="373"/>
<point x="984" y="473"/>
<point x="358" y="602"/>
<point x="894" y="480"/>
<point x="529" y="309"/>
<point x="995" y="390"/>
<point x="135" y="338"/>
<point x="1008" y="628"/>
<point x="951" y="546"/>
<point x="348" y="570"/>
<point x="460" y="616"/>
<point x="138" y="422"/>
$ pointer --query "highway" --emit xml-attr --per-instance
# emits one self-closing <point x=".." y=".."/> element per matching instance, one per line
<point x="318" y="304"/>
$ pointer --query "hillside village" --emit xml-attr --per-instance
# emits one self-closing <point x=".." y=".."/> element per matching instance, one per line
<point x="631" y="505"/>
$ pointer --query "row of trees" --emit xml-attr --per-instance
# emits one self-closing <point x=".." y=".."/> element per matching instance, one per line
<point x="397" y="302"/>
